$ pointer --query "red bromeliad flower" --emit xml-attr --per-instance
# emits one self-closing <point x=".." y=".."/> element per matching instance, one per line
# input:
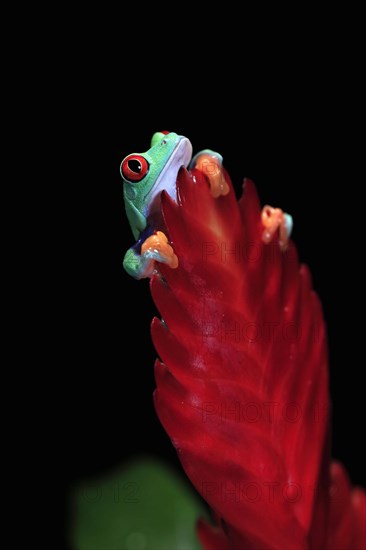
<point x="242" y="384"/>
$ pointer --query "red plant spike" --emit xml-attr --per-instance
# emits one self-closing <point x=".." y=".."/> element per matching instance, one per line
<point x="242" y="380"/>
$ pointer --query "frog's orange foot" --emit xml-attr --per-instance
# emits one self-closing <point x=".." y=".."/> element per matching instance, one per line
<point x="275" y="219"/>
<point x="210" y="165"/>
<point x="156" y="247"/>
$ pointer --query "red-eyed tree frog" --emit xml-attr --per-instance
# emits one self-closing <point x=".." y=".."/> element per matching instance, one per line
<point x="145" y="175"/>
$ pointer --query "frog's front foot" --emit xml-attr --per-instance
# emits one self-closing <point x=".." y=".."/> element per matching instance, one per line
<point x="275" y="219"/>
<point x="210" y="163"/>
<point x="156" y="247"/>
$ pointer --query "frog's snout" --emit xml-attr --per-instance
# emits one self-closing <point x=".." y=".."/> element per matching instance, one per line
<point x="159" y="136"/>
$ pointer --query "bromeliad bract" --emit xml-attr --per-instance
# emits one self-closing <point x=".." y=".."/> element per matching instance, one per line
<point x="242" y="379"/>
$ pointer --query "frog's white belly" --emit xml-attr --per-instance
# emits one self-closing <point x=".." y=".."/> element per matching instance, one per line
<point x="181" y="156"/>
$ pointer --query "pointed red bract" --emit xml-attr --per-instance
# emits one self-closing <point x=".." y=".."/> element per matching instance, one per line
<point x="242" y="387"/>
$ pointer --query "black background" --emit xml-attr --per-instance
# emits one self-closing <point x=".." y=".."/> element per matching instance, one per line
<point x="297" y="143"/>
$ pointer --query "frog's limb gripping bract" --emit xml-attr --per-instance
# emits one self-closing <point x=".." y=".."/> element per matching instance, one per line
<point x="157" y="248"/>
<point x="274" y="219"/>
<point x="210" y="164"/>
<point x="242" y="379"/>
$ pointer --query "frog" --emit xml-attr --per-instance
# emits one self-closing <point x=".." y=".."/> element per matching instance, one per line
<point x="145" y="176"/>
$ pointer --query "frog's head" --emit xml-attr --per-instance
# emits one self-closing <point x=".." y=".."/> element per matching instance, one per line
<point x="145" y="175"/>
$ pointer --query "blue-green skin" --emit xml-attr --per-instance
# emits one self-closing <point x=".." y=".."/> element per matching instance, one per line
<point x="138" y="197"/>
<point x="142" y="199"/>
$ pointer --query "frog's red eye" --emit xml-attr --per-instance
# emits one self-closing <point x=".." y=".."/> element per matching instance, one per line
<point x="134" y="168"/>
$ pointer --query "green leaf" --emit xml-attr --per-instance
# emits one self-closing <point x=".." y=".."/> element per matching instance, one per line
<point x="145" y="506"/>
